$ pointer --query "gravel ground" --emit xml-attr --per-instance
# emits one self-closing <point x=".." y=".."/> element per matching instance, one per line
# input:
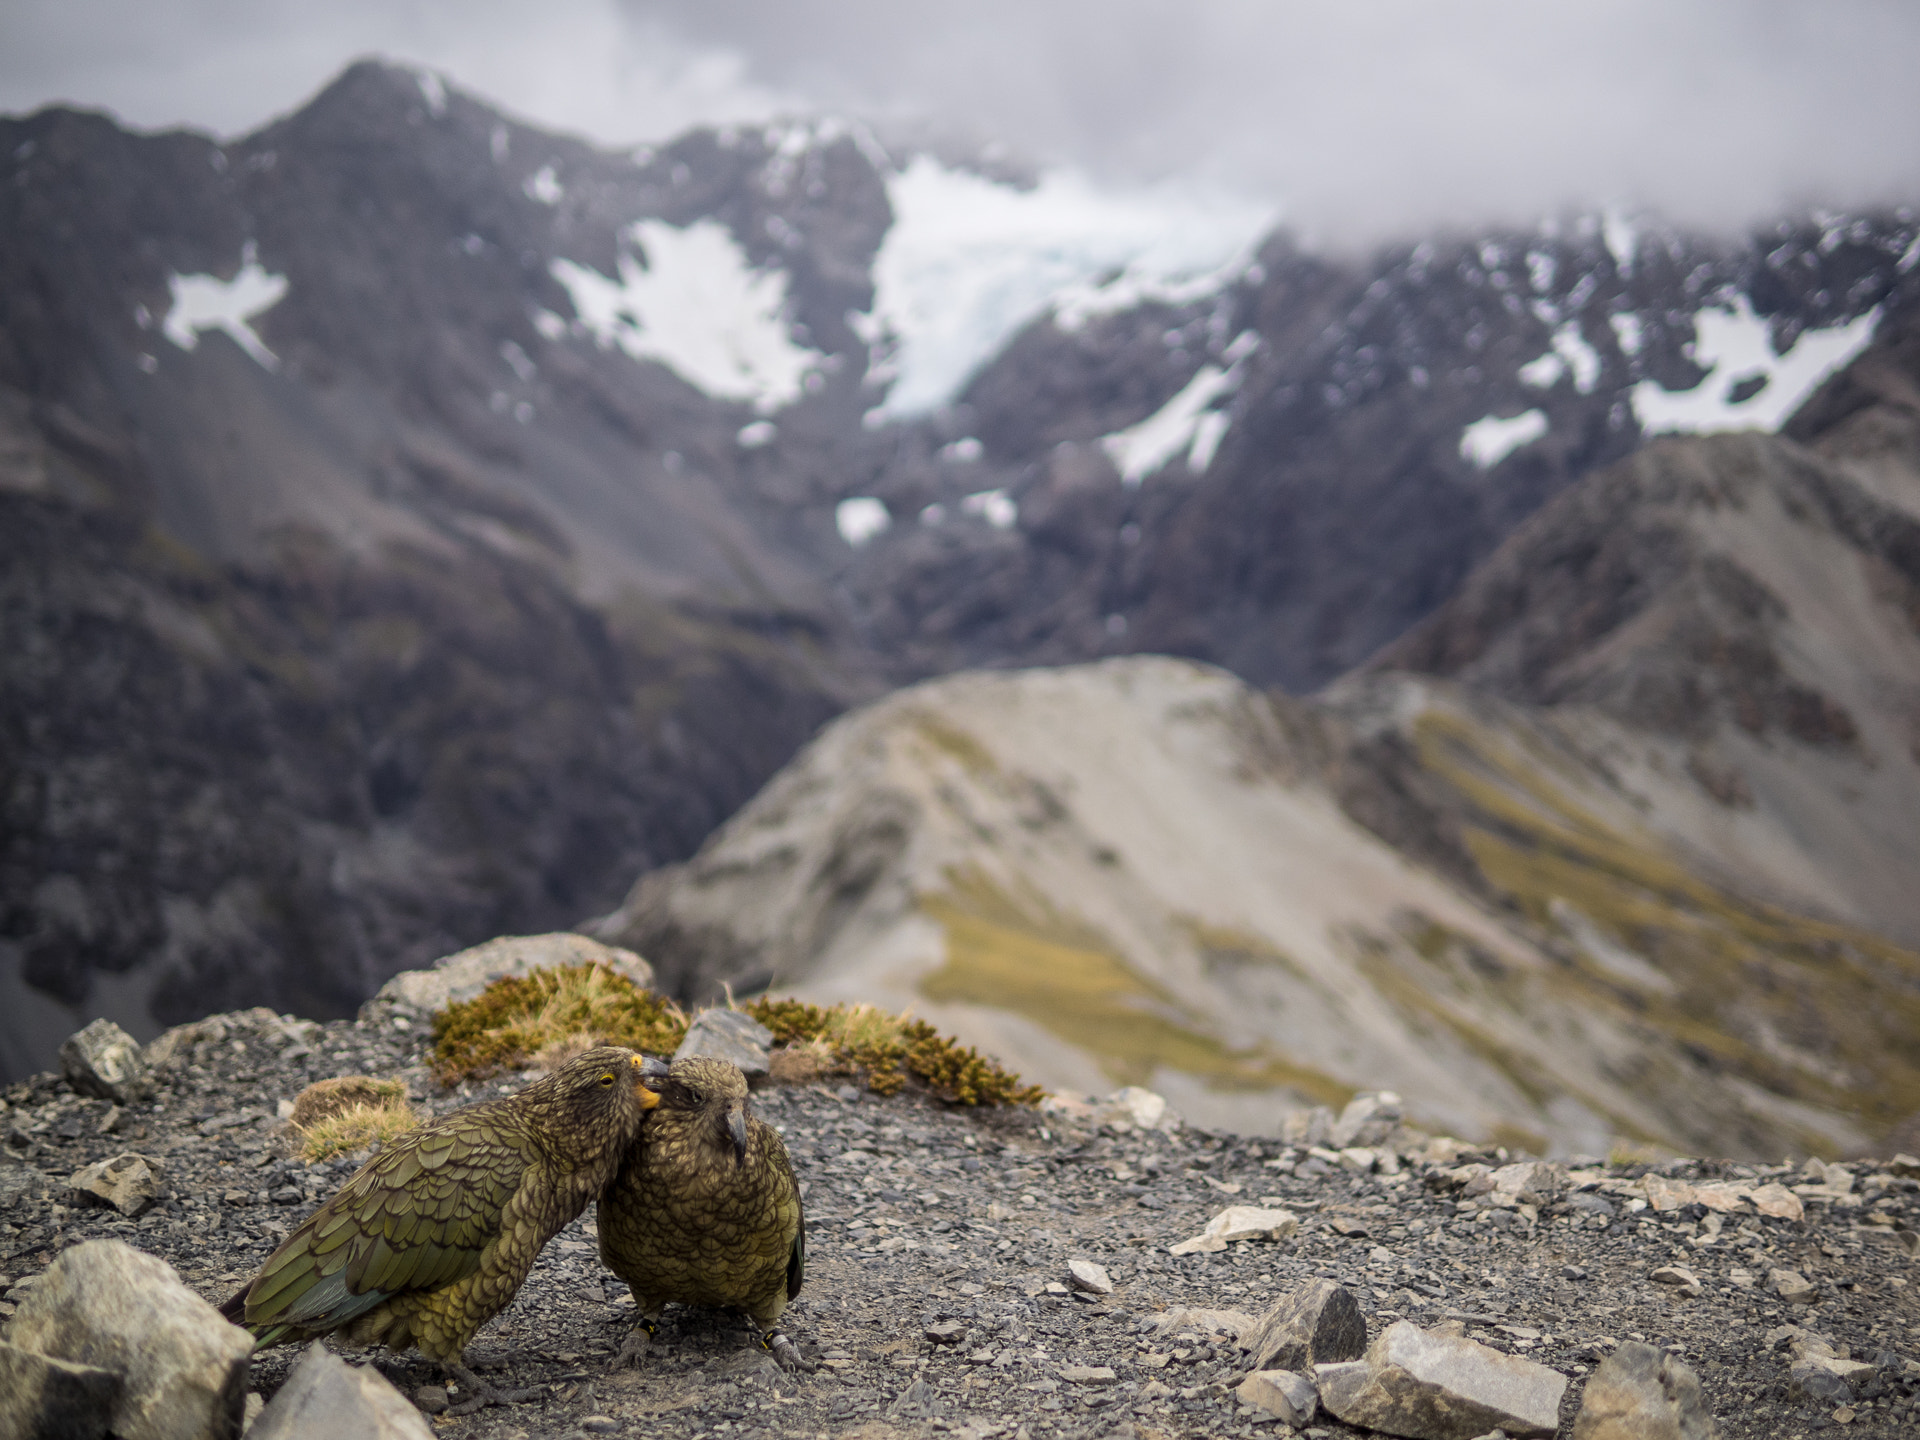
<point x="939" y="1241"/>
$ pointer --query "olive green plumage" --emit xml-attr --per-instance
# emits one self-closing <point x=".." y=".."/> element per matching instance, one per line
<point x="705" y="1210"/>
<point x="432" y="1237"/>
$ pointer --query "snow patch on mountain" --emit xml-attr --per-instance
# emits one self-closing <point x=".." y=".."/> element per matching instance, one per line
<point x="1190" y="421"/>
<point x="206" y="302"/>
<point x="1748" y="386"/>
<point x="691" y="301"/>
<point x="969" y="262"/>
<point x="861" y="518"/>
<point x="1492" y="438"/>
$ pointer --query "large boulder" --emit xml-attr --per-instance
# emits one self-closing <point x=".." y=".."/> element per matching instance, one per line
<point x="103" y="1060"/>
<point x="1316" y="1324"/>
<point x="1430" y="1386"/>
<point x="325" y="1397"/>
<point x="46" y="1399"/>
<point x="1640" y="1393"/>
<point x="105" y="1304"/>
<point x="464" y="974"/>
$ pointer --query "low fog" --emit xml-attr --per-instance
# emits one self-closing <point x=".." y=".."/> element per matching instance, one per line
<point x="1356" y="120"/>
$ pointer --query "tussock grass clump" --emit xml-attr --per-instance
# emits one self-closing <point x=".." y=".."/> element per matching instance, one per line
<point x="348" y="1113"/>
<point x="545" y="1015"/>
<point x="889" y="1050"/>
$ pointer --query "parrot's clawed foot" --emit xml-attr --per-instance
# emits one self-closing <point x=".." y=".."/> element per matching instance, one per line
<point x="787" y="1354"/>
<point x="476" y="1394"/>
<point x="633" y="1352"/>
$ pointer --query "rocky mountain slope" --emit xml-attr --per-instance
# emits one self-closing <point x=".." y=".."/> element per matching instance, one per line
<point x="415" y="524"/>
<point x="1637" y="868"/>
<point x="1143" y="871"/>
<point x="1745" y="611"/>
<point x="949" y="1284"/>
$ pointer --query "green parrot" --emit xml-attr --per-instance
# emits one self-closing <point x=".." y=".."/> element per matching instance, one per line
<point x="705" y="1209"/>
<point x="432" y="1237"/>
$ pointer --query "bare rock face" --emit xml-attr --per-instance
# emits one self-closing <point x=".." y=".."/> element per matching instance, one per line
<point x="46" y="1399"/>
<point x="105" y="1304"/>
<point x="464" y="974"/>
<point x="324" y="1396"/>
<point x="1317" y="1324"/>
<point x="1429" y="1386"/>
<point x="728" y="1035"/>
<point x="1640" y="1393"/>
<point x="104" y="1060"/>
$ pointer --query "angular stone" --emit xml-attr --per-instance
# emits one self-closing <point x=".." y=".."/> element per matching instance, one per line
<point x="1239" y="1222"/>
<point x="1792" y="1287"/>
<point x="1810" y="1381"/>
<point x="1317" y="1323"/>
<point x="103" y="1060"/>
<point x="1307" y="1127"/>
<point x="1287" y="1396"/>
<point x="1778" y="1202"/>
<point x="104" y="1303"/>
<point x="1681" y="1278"/>
<point x="463" y="975"/>
<point x="1904" y="1164"/>
<point x="46" y="1399"/>
<point x="129" y="1183"/>
<point x="325" y="1397"/>
<point x="1640" y="1393"/>
<point x="1367" y="1120"/>
<point x="1088" y="1374"/>
<point x="728" y="1035"/>
<point x="1429" y="1386"/>
<point x="946" y="1332"/>
<point x="1088" y="1276"/>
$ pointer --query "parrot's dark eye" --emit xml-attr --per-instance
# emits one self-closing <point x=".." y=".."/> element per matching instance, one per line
<point x="607" y="1079"/>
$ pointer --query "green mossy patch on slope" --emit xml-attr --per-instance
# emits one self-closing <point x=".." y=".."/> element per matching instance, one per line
<point x="1016" y="952"/>
<point x="1813" y="1011"/>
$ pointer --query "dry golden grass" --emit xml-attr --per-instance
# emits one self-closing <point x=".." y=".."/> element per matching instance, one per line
<point x="349" y="1113"/>
<point x="544" y="1018"/>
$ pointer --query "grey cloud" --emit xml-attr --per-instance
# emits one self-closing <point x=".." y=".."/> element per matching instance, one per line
<point x="1358" y="117"/>
<point x="1378" y="114"/>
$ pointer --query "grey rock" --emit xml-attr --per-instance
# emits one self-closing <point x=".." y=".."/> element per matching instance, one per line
<point x="1284" y="1394"/>
<point x="1810" y="1381"/>
<point x="104" y="1303"/>
<point x="326" y="1397"/>
<point x="19" y="1183"/>
<point x="1307" y="1127"/>
<point x="1089" y="1276"/>
<point x="129" y="1183"/>
<point x="104" y="1060"/>
<point x="1367" y="1119"/>
<point x="1429" y="1386"/>
<point x="1317" y="1323"/>
<point x="1681" y="1278"/>
<point x="728" y="1035"/>
<point x="46" y="1399"/>
<point x="1088" y="1374"/>
<point x="1640" y="1393"/>
<point x="1792" y="1287"/>
<point x="464" y="974"/>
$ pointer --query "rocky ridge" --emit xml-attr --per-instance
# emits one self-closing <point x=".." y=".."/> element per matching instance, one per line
<point x="1000" y="1273"/>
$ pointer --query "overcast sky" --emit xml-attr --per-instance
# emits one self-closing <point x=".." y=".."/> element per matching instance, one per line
<point x="1355" y="117"/>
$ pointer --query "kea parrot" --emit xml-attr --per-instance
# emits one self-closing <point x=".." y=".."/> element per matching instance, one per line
<point x="431" y="1238"/>
<point x="705" y="1210"/>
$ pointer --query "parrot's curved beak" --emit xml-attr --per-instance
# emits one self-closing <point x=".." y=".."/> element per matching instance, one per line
<point x="737" y="1128"/>
<point x="648" y="1098"/>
